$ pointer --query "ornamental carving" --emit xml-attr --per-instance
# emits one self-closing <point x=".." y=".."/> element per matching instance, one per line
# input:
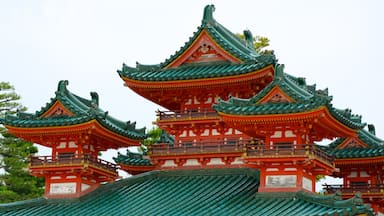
<point x="58" y="112"/>
<point x="353" y="144"/>
<point x="205" y="53"/>
<point x="278" y="98"/>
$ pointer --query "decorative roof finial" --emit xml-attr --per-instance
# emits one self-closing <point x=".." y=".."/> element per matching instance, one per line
<point x="62" y="87"/>
<point x="279" y="72"/>
<point x="371" y="129"/>
<point x="95" y="99"/>
<point x="208" y="14"/>
<point x="248" y="38"/>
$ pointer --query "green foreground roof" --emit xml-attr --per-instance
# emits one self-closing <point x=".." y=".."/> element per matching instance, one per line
<point x="189" y="192"/>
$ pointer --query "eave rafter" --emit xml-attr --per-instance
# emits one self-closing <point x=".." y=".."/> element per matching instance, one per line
<point x="266" y="72"/>
<point x="319" y="118"/>
<point x="170" y="94"/>
<point x="87" y="129"/>
<point x="352" y="162"/>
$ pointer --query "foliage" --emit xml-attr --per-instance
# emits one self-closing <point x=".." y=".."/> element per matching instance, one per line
<point x="319" y="177"/>
<point x="153" y="136"/>
<point x="15" y="181"/>
<point x="259" y="43"/>
<point x="9" y="100"/>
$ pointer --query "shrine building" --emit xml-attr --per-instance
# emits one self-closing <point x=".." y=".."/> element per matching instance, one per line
<point x="239" y="136"/>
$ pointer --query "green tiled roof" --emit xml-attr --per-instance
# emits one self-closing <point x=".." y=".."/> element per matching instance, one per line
<point x="131" y="158"/>
<point x="346" y="153"/>
<point x="166" y="138"/>
<point x="189" y="192"/>
<point x="366" y="137"/>
<point x="375" y="147"/>
<point x="306" y="97"/>
<point x="192" y="72"/>
<point x="225" y="38"/>
<point x="84" y="110"/>
<point x="370" y="139"/>
<point x="241" y="49"/>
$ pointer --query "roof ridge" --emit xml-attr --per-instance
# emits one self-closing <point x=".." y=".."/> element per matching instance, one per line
<point x="224" y="37"/>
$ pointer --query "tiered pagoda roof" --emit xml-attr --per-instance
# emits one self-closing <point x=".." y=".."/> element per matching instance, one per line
<point x="212" y="57"/>
<point x="67" y="113"/>
<point x="190" y="192"/>
<point x="243" y="57"/>
<point x="133" y="163"/>
<point x="284" y="98"/>
<point x="365" y="146"/>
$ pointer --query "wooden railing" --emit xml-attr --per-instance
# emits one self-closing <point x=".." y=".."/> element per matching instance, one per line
<point x="241" y="146"/>
<point x="187" y="114"/>
<point x="72" y="160"/>
<point x="198" y="148"/>
<point x="284" y="150"/>
<point x="351" y="189"/>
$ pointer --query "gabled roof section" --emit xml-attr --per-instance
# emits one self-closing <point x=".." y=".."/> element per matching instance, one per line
<point x="67" y="109"/>
<point x="191" y="72"/>
<point x="132" y="158"/>
<point x="276" y="95"/>
<point x="299" y="97"/>
<point x="212" y="51"/>
<point x="358" y="153"/>
<point x="190" y="192"/>
<point x="231" y="47"/>
<point x="64" y="99"/>
<point x="365" y="145"/>
<point x="365" y="137"/>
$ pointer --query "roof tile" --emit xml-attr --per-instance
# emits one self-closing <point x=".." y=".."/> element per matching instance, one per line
<point x="188" y="192"/>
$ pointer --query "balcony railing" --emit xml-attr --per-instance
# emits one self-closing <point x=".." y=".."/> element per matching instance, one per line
<point x="187" y="114"/>
<point x="242" y="146"/>
<point x="198" y="148"/>
<point x="72" y="160"/>
<point x="284" y="150"/>
<point x="351" y="189"/>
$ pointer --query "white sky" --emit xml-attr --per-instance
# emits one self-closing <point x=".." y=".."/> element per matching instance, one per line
<point x="335" y="44"/>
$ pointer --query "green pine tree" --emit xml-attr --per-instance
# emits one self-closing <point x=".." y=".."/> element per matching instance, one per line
<point x="15" y="181"/>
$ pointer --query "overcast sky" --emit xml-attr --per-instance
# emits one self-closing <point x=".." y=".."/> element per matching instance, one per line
<point x="335" y="44"/>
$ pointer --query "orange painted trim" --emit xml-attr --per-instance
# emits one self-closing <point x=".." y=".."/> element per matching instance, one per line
<point x="334" y="121"/>
<point x="53" y="108"/>
<point x="274" y="117"/>
<point x="195" y="156"/>
<point x="369" y="160"/>
<point x="266" y="71"/>
<point x="276" y="159"/>
<point x="195" y="45"/>
<point x="269" y="118"/>
<point x="131" y="168"/>
<point x="74" y="168"/>
<point x="319" y="113"/>
<point x="188" y="121"/>
<point x="73" y="129"/>
<point x="275" y="90"/>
